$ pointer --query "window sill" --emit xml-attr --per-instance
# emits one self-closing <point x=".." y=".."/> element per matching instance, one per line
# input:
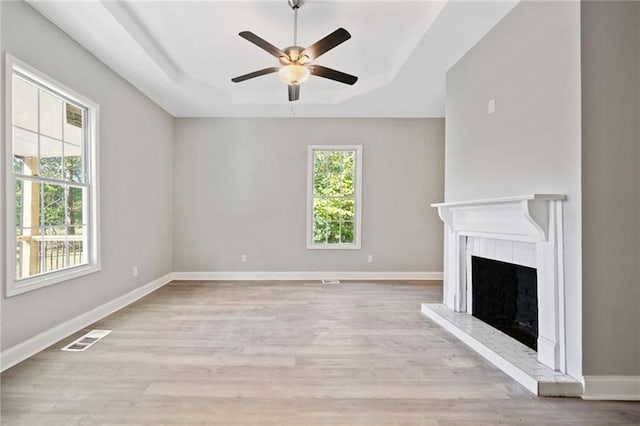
<point x="334" y="246"/>
<point x="15" y="288"/>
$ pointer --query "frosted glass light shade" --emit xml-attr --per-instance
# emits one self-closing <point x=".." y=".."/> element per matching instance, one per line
<point x="294" y="74"/>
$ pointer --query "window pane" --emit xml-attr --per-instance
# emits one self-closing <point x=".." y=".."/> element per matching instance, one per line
<point x="334" y="185"/>
<point x="50" y="115"/>
<point x="28" y="207"/>
<point x="346" y="232"/>
<point x="336" y="209"/>
<point x="319" y="220"/>
<point x="50" y="158"/>
<point x="75" y="206"/>
<point x="348" y="173"/>
<point x="348" y="187"/>
<point x="321" y="184"/>
<point x="349" y="164"/>
<point x="28" y="249"/>
<point x="73" y="123"/>
<point x="73" y="167"/>
<point x="333" y="236"/>
<point x="54" y="205"/>
<point x="327" y="185"/>
<point x="347" y="209"/>
<point x="335" y="162"/>
<point x="25" y="104"/>
<point x="19" y="201"/>
<point x="25" y="152"/>
<point x="319" y="231"/>
<point x="19" y="273"/>
<point x="320" y="162"/>
<point x="320" y="206"/>
<point x="76" y="244"/>
<point x="54" y="248"/>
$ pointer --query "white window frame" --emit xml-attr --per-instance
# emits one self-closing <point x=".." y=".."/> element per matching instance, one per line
<point x="14" y="286"/>
<point x="357" y="244"/>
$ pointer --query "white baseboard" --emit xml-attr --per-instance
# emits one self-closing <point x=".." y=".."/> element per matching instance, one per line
<point x="30" y="347"/>
<point x="303" y="275"/>
<point x="615" y="388"/>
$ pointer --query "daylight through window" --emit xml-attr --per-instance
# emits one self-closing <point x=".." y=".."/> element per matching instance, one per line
<point x="335" y="201"/>
<point x="51" y="146"/>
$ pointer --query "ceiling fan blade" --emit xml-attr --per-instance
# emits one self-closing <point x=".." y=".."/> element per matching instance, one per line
<point x="322" y="46"/>
<point x="263" y="44"/>
<point x="331" y="74"/>
<point x="255" y="74"/>
<point x="294" y="92"/>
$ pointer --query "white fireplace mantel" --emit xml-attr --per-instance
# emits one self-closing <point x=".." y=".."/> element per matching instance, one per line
<point x="534" y="220"/>
<point x="524" y="217"/>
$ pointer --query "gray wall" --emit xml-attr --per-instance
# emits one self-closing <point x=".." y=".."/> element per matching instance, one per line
<point x="241" y="188"/>
<point x="136" y="145"/>
<point x="611" y="187"/>
<point x="530" y="63"/>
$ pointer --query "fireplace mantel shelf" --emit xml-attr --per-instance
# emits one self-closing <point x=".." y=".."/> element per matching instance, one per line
<point x="502" y="200"/>
<point x="523" y="217"/>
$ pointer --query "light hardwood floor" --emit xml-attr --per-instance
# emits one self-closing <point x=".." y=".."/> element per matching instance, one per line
<point x="281" y="353"/>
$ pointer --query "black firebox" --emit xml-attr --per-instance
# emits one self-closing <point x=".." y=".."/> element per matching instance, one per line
<point x="505" y="296"/>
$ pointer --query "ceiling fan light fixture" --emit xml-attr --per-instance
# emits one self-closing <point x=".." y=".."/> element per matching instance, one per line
<point x="294" y="74"/>
<point x="296" y="61"/>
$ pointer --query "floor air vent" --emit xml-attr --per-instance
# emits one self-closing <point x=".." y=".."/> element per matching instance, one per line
<point x="330" y="281"/>
<point x="86" y="341"/>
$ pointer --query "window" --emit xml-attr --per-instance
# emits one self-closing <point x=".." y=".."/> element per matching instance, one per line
<point x="52" y="216"/>
<point x="334" y="200"/>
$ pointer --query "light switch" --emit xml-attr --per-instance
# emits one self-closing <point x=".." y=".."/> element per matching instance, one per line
<point x="491" y="106"/>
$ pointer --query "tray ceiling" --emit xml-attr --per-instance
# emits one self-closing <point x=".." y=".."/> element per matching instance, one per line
<point x="183" y="54"/>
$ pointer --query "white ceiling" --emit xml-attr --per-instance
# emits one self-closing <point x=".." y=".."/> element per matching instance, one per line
<point x="183" y="54"/>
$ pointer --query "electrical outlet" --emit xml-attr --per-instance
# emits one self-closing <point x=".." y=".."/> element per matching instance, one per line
<point x="370" y="258"/>
<point x="491" y="106"/>
<point x="135" y="271"/>
<point x="243" y="258"/>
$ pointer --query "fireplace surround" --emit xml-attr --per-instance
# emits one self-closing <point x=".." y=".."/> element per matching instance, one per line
<point x="522" y="230"/>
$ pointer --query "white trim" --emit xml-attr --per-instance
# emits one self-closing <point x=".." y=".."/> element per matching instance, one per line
<point x="39" y="281"/>
<point x="357" y="245"/>
<point x="30" y="347"/>
<point x="502" y="200"/>
<point x="534" y="218"/>
<point x="304" y="275"/>
<point x="14" y="287"/>
<point x="334" y="246"/>
<point x="615" y="388"/>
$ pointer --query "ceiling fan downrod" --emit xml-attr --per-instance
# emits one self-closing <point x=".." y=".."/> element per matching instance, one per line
<point x="295" y="5"/>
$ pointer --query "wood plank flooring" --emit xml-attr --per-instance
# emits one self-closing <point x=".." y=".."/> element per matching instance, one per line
<point x="281" y="353"/>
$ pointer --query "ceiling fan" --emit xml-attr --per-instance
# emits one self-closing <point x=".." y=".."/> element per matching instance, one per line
<point x="296" y="62"/>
